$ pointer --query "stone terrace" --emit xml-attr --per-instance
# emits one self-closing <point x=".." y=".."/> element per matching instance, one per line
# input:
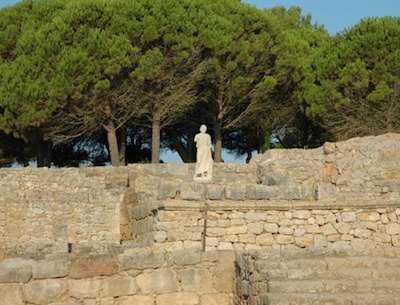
<point x="136" y="234"/>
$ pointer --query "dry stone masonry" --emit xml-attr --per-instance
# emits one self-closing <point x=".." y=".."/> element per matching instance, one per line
<point x="149" y="234"/>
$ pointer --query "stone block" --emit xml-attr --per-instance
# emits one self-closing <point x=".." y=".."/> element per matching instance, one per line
<point x="224" y="272"/>
<point x="140" y="212"/>
<point x="46" y="291"/>
<point x="141" y="259"/>
<point x="137" y="300"/>
<point x="293" y="191"/>
<point x="192" y="191"/>
<point x="348" y="216"/>
<point x="271" y="228"/>
<point x="328" y="229"/>
<point x="393" y="228"/>
<point x="235" y="192"/>
<point x="224" y="245"/>
<point x="234" y="230"/>
<point x="215" y="299"/>
<point x="254" y="216"/>
<point x="178" y="298"/>
<point x="265" y="239"/>
<point x="161" y="281"/>
<point x="255" y="227"/>
<point x="217" y="231"/>
<point x="284" y="239"/>
<point x="16" y="270"/>
<point x="260" y="191"/>
<point x="214" y="192"/>
<point x="117" y="286"/>
<point x="50" y="269"/>
<point x="168" y="189"/>
<point x="91" y="266"/>
<point x="11" y="294"/>
<point x="185" y="257"/>
<point x="197" y="280"/>
<point x="302" y="214"/>
<point x="275" y="179"/>
<point x="87" y="288"/>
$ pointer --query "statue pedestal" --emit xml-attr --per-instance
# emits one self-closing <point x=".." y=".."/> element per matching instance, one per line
<point x="202" y="178"/>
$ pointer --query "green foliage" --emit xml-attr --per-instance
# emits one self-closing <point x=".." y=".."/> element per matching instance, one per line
<point x="72" y="69"/>
<point x="355" y="84"/>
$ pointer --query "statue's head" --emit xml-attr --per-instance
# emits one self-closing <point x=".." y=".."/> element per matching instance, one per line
<point x="203" y="128"/>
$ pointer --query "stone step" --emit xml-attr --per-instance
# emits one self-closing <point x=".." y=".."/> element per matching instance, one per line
<point x="335" y="287"/>
<point x="330" y="263"/>
<point x="330" y="299"/>
<point x="345" y="273"/>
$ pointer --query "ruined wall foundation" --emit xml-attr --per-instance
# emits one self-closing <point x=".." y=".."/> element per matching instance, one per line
<point x="149" y="234"/>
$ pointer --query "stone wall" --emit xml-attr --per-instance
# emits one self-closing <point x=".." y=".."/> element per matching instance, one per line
<point x="135" y="276"/>
<point x="341" y="196"/>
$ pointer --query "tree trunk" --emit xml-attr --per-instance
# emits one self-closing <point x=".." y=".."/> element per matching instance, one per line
<point x="155" y="139"/>
<point x="122" y="145"/>
<point x="217" y="140"/>
<point x="188" y="153"/>
<point x="112" y="144"/>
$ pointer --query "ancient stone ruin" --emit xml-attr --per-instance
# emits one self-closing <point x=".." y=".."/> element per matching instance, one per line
<point x="317" y="226"/>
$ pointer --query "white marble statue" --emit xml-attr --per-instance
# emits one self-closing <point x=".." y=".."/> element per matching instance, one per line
<point x="204" y="161"/>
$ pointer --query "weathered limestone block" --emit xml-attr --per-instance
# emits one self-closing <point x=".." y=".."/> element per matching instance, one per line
<point x="274" y="178"/>
<point x="50" y="269"/>
<point x="137" y="300"/>
<point x="11" y="294"/>
<point x="304" y="241"/>
<point x="86" y="288"/>
<point x="46" y="291"/>
<point x="328" y="229"/>
<point x="91" y="266"/>
<point x="215" y="231"/>
<point x="215" y="299"/>
<point x="141" y="259"/>
<point x="235" y="192"/>
<point x="362" y="233"/>
<point x="260" y="191"/>
<point x="192" y="191"/>
<point x="185" y="257"/>
<point x="160" y="281"/>
<point x="349" y="216"/>
<point x="178" y="234"/>
<point x="361" y="244"/>
<point x="302" y="214"/>
<point x="160" y="236"/>
<point x="198" y="280"/>
<point x="214" y="192"/>
<point x="271" y="228"/>
<point x="256" y="216"/>
<point x="393" y="228"/>
<point x="233" y="230"/>
<point x="320" y="241"/>
<point x="255" y="227"/>
<point x="65" y="303"/>
<point x="225" y="272"/>
<point x="16" y="270"/>
<point x="265" y="239"/>
<point x="284" y="239"/>
<point x="117" y="286"/>
<point x="178" y="298"/>
<point x="168" y="189"/>
<point x="140" y="212"/>
<point x="343" y="228"/>
<point x="293" y="191"/>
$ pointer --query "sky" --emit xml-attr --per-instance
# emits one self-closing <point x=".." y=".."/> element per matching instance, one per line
<point x="334" y="15"/>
